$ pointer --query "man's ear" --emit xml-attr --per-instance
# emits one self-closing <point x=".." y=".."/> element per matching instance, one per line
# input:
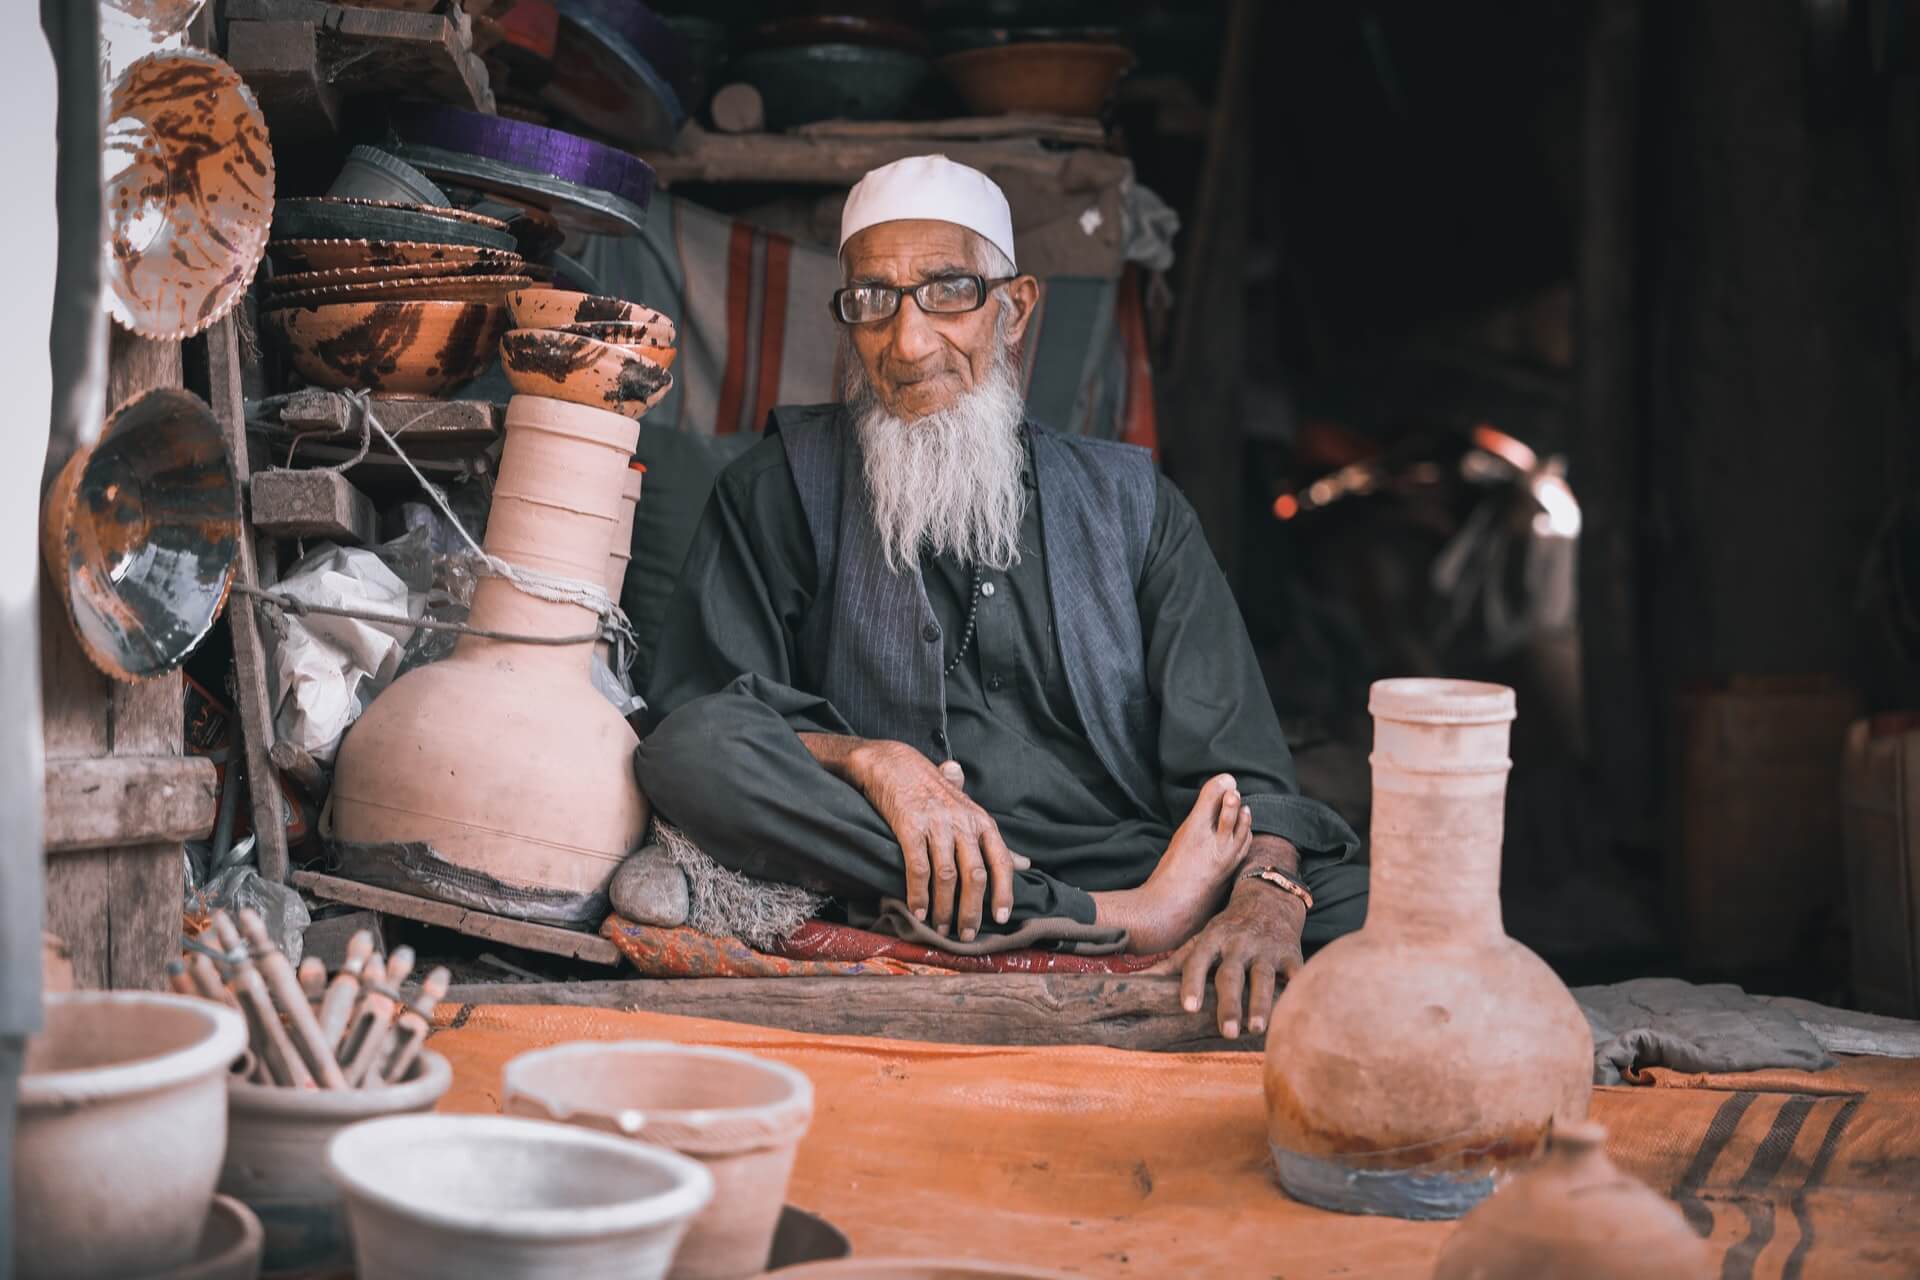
<point x="1024" y="293"/>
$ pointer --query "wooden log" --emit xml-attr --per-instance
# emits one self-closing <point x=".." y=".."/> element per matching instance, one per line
<point x="1068" y="129"/>
<point x="1005" y="1009"/>
<point x="311" y="504"/>
<point x="249" y="640"/>
<point x="128" y="800"/>
<point x="475" y="924"/>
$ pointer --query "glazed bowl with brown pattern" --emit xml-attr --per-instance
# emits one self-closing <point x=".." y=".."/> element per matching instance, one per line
<point x="556" y="308"/>
<point x="389" y="348"/>
<point x="583" y="370"/>
<point x="642" y="338"/>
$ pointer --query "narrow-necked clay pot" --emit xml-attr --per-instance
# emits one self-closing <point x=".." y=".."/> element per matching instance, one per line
<point x="399" y="348"/>
<point x="504" y="757"/>
<point x="552" y="308"/>
<point x="276" y="1157"/>
<point x="1412" y="1064"/>
<point x="741" y="1116"/>
<point x="583" y="370"/>
<point x="454" y="1197"/>
<point x="1574" y="1216"/>
<point x="122" y="1121"/>
<point x="229" y="1247"/>
<point x="620" y="550"/>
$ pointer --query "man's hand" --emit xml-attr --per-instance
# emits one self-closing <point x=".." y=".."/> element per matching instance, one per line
<point x="1254" y="942"/>
<point x="955" y="862"/>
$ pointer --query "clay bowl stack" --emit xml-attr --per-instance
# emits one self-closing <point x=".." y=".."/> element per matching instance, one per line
<point x="401" y="300"/>
<point x="606" y="353"/>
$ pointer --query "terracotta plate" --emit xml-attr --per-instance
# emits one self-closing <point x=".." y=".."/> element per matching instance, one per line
<point x="330" y="255"/>
<point x="490" y="289"/>
<point x="364" y="202"/>
<point x="188" y="176"/>
<point x="404" y="348"/>
<point x="572" y="366"/>
<point x="294" y="281"/>
<point x="327" y="217"/>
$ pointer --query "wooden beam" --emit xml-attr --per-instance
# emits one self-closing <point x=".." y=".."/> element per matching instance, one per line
<point x="115" y="801"/>
<point x="281" y="63"/>
<point x="701" y="156"/>
<point x="1006" y="1009"/>
<point x="311" y="504"/>
<point x="475" y="924"/>
<point x="381" y="51"/>
<point x="1077" y="130"/>
<point x="329" y="416"/>
<point x="249" y="640"/>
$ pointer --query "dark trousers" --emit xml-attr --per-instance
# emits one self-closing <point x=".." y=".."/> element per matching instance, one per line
<point x="729" y="771"/>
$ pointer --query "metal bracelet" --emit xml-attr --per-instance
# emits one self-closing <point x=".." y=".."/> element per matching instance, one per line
<point x="1282" y="880"/>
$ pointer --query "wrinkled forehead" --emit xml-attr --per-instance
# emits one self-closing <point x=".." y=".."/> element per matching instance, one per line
<point x="909" y="251"/>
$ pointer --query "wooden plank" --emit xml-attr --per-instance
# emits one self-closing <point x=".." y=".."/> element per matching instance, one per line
<point x="1008" y="1009"/>
<point x="281" y="63"/>
<point x="129" y="800"/>
<point x="75" y="697"/>
<point x="249" y="642"/>
<point x="475" y="924"/>
<point x="329" y="416"/>
<point x="1068" y="129"/>
<point x="142" y="941"/>
<point x="311" y="504"/>
<point x="701" y="156"/>
<point x="80" y="905"/>
<point x="383" y="51"/>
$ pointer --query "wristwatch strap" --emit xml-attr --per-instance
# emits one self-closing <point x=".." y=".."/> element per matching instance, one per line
<point x="1281" y="880"/>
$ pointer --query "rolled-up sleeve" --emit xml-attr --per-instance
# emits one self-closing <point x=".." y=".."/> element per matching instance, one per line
<point x="1215" y="712"/>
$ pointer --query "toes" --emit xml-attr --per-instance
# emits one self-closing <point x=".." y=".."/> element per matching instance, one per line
<point x="1243" y="830"/>
<point x="1230" y="813"/>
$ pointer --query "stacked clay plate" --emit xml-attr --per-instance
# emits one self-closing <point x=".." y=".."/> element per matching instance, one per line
<point x="604" y="352"/>
<point x="401" y="300"/>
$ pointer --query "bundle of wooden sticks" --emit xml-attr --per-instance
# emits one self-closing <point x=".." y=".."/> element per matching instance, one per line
<point x="357" y="1031"/>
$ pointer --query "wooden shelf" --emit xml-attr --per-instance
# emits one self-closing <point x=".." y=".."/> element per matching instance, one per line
<point x="475" y="924"/>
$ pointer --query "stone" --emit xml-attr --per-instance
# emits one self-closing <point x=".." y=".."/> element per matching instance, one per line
<point x="649" y="889"/>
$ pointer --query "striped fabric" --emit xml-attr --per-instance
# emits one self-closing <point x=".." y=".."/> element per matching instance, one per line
<point x="751" y="307"/>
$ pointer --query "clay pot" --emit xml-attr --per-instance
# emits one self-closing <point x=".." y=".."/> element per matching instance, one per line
<point x="583" y="370"/>
<point x="1574" y="1216"/>
<point x="1412" y="1063"/>
<point x="492" y="290"/>
<point x="556" y="308"/>
<point x="504" y="757"/>
<point x="739" y="1115"/>
<point x="1054" y="78"/>
<point x="399" y="348"/>
<point x="623" y="333"/>
<point x="276" y="1157"/>
<point x="345" y="254"/>
<point x="454" y="1197"/>
<point x="229" y="1247"/>
<point x="189" y="193"/>
<point x="122" y="1121"/>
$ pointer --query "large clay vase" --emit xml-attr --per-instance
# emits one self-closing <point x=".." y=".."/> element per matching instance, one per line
<point x="505" y="758"/>
<point x="1575" y="1216"/>
<point x="1411" y="1064"/>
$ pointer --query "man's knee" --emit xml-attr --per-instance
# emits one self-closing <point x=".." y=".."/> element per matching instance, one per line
<point x="1339" y="900"/>
<point x="701" y="748"/>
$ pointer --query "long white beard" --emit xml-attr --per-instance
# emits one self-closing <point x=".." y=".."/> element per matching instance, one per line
<point x="948" y="482"/>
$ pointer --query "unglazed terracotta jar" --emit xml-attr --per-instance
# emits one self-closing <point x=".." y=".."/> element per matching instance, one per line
<point x="504" y="757"/>
<point x="1413" y="1063"/>
<point x="620" y="550"/>
<point x="1574" y="1216"/>
<point x="740" y="1115"/>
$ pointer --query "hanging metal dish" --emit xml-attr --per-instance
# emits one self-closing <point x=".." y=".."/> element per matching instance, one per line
<point x="189" y="193"/>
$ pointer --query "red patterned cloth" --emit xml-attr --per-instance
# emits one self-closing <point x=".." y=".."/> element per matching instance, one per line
<point x="818" y="950"/>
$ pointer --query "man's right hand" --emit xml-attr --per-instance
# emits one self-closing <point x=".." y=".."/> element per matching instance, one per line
<point x="956" y="864"/>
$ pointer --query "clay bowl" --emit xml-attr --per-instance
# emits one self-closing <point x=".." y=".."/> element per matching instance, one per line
<point x="333" y="255"/>
<point x="556" y="308"/>
<point x="492" y="290"/>
<point x="339" y="217"/>
<point x="574" y="367"/>
<point x="397" y="348"/>
<point x="805" y="83"/>
<point x="634" y="337"/>
<point x="743" y="1116"/>
<point x="451" y="1197"/>
<point x="372" y="174"/>
<point x="229" y="1247"/>
<point x="122" y="1124"/>
<point x="1062" y="79"/>
<point x="141" y="532"/>
<point x="188" y="185"/>
<point x="276" y="1157"/>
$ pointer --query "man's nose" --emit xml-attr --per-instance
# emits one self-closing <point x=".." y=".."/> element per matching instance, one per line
<point x="915" y="340"/>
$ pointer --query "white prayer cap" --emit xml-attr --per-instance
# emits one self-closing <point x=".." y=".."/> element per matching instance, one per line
<point x="934" y="188"/>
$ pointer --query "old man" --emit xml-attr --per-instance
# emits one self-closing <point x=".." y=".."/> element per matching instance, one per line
<point x="926" y="652"/>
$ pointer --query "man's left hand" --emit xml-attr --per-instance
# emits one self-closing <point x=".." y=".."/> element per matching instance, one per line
<point x="1255" y="942"/>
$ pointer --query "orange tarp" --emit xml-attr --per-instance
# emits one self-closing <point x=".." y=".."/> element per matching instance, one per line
<point x="1107" y="1162"/>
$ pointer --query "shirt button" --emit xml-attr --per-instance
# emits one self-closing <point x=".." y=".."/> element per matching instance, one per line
<point x="986" y="588"/>
<point x="931" y="633"/>
<point x="940" y="738"/>
<point x="994" y="683"/>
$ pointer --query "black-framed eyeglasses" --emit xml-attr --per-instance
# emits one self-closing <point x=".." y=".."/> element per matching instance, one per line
<point x="940" y="296"/>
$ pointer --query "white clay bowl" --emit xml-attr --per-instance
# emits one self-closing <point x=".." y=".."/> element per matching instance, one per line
<point x="122" y="1123"/>
<point x="740" y="1115"/>
<point x="452" y="1197"/>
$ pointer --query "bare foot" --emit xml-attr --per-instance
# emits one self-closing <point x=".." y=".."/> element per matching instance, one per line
<point x="1193" y="877"/>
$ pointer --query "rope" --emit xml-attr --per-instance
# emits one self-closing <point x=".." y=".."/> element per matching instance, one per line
<point x="288" y="604"/>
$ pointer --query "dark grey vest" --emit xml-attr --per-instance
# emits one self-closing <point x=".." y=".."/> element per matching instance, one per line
<point x="872" y="647"/>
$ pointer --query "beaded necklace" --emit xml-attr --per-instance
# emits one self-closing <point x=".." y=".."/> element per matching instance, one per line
<point x="966" y="635"/>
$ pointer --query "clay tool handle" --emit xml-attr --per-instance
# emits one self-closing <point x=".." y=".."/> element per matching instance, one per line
<point x="313" y="979"/>
<point x="284" y="988"/>
<point x="179" y="981"/>
<point x="372" y="975"/>
<point x="206" y="981"/>
<point x="382" y="1003"/>
<point x="283" y="1060"/>
<point x="336" y="1008"/>
<point x="412" y="1034"/>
